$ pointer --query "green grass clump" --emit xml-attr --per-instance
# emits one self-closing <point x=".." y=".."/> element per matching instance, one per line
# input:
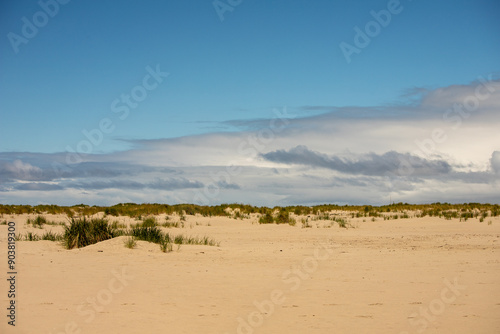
<point x="84" y="232"/>
<point x="209" y="242"/>
<point x="147" y="233"/>
<point x="149" y="222"/>
<point x="39" y="221"/>
<point x="305" y="223"/>
<point x="342" y="223"/>
<point x="266" y="219"/>
<point x="166" y="245"/>
<point x="130" y="243"/>
<point x="282" y="218"/>
<point x="116" y="225"/>
<point x="119" y="232"/>
<point x="52" y="236"/>
<point x="185" y="240"/>
<point x="31" y="237"/>
<point x="179" y="239"/>
<point x="170" y="224"/>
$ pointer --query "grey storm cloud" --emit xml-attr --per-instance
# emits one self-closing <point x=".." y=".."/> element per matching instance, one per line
<point x="114" y="184"/>
<point x="225" y="185"/>
<point x="37" y="186"/>
<point x="40" y="168"/>
<point x="367" y="164"/>
<point x="35" y="172"/>
<point x="495" y="162"/>
<point x="160" y="184"/>
<point x="175" y="183"/>
<point x="26" y="171"/>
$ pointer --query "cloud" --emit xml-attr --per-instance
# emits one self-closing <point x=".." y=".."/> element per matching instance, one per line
<point x="164" y="184"/>
<point x="19" y="170"/>
<point x="225" y="185"/>
<point x="33" y="186"/>
<point x="479" y="95"/>
<point x="312" y="154"/>
<point x="41" y="167"/>
<point x="114" y="184"/>
<point x="495" y="162"/>
<point x="364" y="164"/>
<point x="175" y="183"/>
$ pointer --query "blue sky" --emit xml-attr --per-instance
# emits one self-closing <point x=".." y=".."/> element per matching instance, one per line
<point x="227" y="80"/>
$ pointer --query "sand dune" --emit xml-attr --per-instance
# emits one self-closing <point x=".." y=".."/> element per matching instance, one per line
<point x="417" y="275"/>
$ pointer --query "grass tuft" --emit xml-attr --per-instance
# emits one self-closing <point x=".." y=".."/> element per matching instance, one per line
<point x="84" y="232"/>
<point x="130" y="243"/>
<point x="266" y="219"/>
<point x="147" y="233"/>
<point x="38" y="222"/>
<point x="166" y="245"/>
<point x="149" y="222"/>
<point x="52" y="236"/>
<point x="31" y="237"/>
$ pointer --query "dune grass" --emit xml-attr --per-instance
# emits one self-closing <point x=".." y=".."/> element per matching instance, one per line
<point x="29" y="236"/>
<point x="267" y="218"/>
<point x="155" y="235"/>
<point x="239" y="211"/>
<point x="147" y="233"/>
<point x="38" y="222"/>
<point x="166" y="245"/>
<point x="52" y="236"/>
<point x="83" y="232"/>
<point x="130" y="242"/>
<point x="187" y="240"/>
<point x="342" y="222"/>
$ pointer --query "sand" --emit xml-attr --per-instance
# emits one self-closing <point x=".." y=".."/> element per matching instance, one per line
<point x="417" y="275"/>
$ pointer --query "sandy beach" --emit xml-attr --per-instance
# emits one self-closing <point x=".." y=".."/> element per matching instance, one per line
<point x="250" y="167"/>
<point x="416" y="275"/>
